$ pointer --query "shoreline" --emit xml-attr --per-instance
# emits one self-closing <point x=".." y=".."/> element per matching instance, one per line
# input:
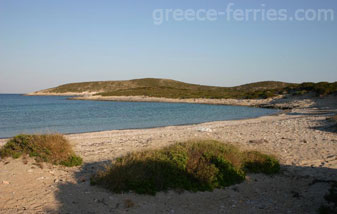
<point x="279" y="102"/>
<point x="154" y="127"/>
<point x="303" y="139"/>
<point x="206" y="129"/>
<point x="91" y="96"/>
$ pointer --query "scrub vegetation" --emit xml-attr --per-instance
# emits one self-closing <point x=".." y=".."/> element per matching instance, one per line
<point x="174" y="89"/>
<point x="193" y="166"/>
<point x="51" y="148"/>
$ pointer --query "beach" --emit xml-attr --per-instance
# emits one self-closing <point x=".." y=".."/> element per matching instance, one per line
<point x="168" y="107"/>
<point x="303" y="138"/>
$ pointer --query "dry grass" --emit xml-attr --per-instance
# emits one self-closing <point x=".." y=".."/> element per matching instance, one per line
<point x="193" y="165"/>
<point x="51" y="148"/>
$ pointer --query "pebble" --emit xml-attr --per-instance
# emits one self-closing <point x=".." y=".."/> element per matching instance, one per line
<point x="261" y="141"/>
<point x="58" y="180"/>
<point x="204" y="129"/>
<point x="5" y="182"/>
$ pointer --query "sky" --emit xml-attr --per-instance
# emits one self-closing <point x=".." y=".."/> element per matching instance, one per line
<point x="45" y="43"/>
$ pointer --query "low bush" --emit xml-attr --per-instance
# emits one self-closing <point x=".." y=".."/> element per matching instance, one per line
<point x="193" y="166"/>
<point x="51" y="148"/>
<point x="257" y="162"/>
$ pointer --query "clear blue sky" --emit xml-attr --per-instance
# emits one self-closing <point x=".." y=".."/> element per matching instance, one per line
<point x="45" y="43"/>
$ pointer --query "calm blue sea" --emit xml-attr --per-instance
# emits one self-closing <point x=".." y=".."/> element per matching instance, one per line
<point x="45" y="114"/>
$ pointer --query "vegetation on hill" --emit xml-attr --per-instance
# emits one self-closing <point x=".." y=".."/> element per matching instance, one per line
<point x="319" y="89"/>
<point x="51" y="148"/>
<point x="193" y="166"/>
<point x="174" y="89"/>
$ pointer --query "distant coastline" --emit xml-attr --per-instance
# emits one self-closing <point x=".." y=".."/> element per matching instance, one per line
<point x="279" y="102"/>
<point x="267" y="94"/>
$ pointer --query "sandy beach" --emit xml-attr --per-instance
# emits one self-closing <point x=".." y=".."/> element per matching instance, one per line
<point x="303" y="138"/>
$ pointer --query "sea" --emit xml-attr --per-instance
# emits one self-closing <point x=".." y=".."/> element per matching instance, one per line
<point x="21" y="114"/>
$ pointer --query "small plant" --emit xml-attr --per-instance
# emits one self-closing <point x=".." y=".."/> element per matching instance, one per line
<point x="73" y="160"/>
<point x="193" y="166"/>
<point x="51" y="148"/>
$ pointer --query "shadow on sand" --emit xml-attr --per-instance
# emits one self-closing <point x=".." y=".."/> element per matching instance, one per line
<point x="295" y="190"/>
<point x="326" y="125"/>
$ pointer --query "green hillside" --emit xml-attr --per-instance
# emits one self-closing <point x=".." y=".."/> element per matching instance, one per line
<point x="174" y="89"/>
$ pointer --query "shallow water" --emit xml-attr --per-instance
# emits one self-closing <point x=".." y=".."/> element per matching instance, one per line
<point x="46" y="114"/>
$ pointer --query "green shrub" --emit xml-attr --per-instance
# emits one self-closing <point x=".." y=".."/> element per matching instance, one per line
<point x="73" y="160"/>
<point x="51" y="148"/>
<point x="193" y="166"/>
<point x="257" y="162"/>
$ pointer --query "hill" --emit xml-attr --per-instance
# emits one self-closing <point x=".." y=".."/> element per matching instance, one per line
<point x="175" y="89"/>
